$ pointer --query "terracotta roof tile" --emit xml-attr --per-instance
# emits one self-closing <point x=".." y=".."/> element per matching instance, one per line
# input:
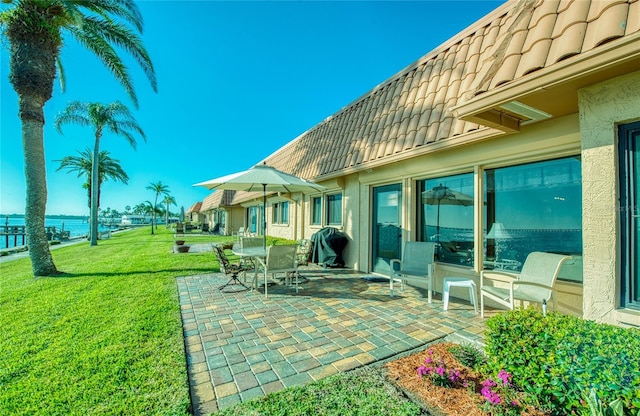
<point x="412" y="108"/>
<point x="633" y="22"/>
<point x="217" y="199"/>
<point x="606" y="21"/>
<point x="195" y="207"/>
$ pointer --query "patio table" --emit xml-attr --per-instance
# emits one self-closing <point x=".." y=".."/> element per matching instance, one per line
<point x="259" y="254"/>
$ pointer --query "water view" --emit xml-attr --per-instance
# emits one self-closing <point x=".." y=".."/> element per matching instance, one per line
<point x="76" y="226"/>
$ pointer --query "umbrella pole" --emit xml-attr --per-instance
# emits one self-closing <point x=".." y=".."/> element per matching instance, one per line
<point x="438" y="223"/>
<point x="264" y="215"/>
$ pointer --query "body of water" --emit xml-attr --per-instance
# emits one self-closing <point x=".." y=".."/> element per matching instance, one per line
<point x="77" y="228"/>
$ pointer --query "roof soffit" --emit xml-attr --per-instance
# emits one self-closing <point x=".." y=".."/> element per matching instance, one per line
<point x="552" y="90"/>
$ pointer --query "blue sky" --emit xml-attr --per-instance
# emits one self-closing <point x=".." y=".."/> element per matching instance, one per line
<point x="237" y="80"/>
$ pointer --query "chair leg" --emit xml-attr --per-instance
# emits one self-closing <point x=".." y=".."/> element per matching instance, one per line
<point x="472" y="298"/>
<point x="481" y="305"/>
<point x="233" y="281"/>
<point x="445" y="295"/>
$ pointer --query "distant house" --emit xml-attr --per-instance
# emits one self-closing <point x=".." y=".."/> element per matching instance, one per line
<point x="519" y="134"/>
<point x="193" y="213"/>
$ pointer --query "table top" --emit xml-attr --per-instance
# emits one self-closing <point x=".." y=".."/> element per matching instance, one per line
<point x="250" y="252"/>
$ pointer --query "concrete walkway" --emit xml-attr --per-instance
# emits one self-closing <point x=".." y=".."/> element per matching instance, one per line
<point x="241" y="345"/>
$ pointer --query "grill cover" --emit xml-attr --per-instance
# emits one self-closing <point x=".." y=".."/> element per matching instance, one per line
<point x="328" y="244"/>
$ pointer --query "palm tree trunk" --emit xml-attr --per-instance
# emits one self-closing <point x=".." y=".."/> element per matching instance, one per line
<point x="94" y="190"/>
<point x="32" y="72"/>
<point x="35" y="173"/>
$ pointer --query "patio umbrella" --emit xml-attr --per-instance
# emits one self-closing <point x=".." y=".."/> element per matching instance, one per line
<point x="443" y="195"/>
<point x="262" y="178"/>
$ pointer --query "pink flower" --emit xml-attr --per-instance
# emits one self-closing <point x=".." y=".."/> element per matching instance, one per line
<point x="491" y="396"/>
<point x="488" y="383"/>
<point x="505" y="377"/>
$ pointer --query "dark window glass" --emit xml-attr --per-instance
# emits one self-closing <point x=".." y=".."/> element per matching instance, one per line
<point x="629" y="144"/>
<point x="534" y="207"/>
<point x="316" y="211"/>
<point x="446" y="217"/>
<point x="334" y="209"/>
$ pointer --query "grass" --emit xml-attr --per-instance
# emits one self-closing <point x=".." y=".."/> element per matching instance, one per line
<point x="362" y="392"/>
<point x="105" y="337"/>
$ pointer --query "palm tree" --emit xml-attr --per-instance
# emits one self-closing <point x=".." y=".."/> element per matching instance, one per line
<point x="158" y="188"/>
<point x="148" y="209"/>
<point x="35" y="32"/>
<point x="168" y="201"/>
<point x="108" y="168"/>
<point x="114" y="118"/>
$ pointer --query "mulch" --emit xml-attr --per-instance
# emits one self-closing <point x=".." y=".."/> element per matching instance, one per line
<point x="436" y="399"/>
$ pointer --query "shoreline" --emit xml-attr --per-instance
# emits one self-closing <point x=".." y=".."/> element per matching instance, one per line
<point x="19" y="252"/>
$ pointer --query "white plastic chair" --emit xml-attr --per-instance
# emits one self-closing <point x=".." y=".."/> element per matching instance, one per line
<point x="533" y="284"/>
<point x="281" y="259"/>
<point x="416" y="265"/>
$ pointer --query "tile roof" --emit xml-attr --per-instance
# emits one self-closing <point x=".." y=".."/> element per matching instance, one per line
<point x="195" y="207"/>
<point x="411" y="110"/>
<point x="217" y="199"/>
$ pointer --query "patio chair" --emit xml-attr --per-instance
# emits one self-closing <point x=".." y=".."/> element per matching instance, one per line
<point x="416" y="265"/>
<point x="231" y="270"/>
<point x="303" y="258"/>
<point x="250" y="242"/>
<point x="239" y="234"/>
<point x="533" y="284"/>
<point x="281" y="259"/>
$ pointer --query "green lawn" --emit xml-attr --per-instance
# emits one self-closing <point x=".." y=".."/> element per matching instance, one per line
<point x="103" y="338"/>
<point x="362" y="392"/>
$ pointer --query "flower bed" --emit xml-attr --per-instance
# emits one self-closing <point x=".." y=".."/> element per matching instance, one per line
<point x="443" y="385"/>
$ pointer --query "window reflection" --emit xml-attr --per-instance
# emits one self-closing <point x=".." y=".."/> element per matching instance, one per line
<point x="534" y="207"/>
<point x="334" y="209"/>
<point x="446" y="217"/>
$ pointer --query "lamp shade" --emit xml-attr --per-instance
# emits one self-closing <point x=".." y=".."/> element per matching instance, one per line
<point x="498" y="231"/>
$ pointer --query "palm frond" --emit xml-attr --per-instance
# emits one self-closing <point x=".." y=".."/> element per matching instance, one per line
<point x="124" y="38"/>
<point x="62" y="79"/>
<point x="126" y="10"/>
<point x="105" y="52"/>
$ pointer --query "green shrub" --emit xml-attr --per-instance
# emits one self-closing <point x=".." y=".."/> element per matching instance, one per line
<point x="468" y="355"/>
<point x="558" y="358"/>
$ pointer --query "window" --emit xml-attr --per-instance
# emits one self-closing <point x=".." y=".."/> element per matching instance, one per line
<point x="334" y="209"/>
<point x="280" y="213"/>
<point x="445" y="216"/>
<point x="252" y="219"/>
<point x="534" y="207"/>
<point x="629" y="150"/>
<point x="316" y="210"/>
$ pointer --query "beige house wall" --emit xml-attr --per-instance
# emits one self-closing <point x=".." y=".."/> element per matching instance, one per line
<point x="546" y="140"/>
<point x="603" y="107"/>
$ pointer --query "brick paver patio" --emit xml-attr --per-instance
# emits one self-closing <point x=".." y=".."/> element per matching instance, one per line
<point x="242" y="345"/>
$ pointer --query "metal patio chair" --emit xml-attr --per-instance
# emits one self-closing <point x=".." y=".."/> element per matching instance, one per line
<point x="416" y="265"/>
<point x="533" y="284"/>
<point x="232" y="270"/>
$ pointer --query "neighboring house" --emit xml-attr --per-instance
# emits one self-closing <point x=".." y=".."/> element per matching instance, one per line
<point x="193" y="214"/>
<point x="220" y="213"/>
<point x="519" y="134"/>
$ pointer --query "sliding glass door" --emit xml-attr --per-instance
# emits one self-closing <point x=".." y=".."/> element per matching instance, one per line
<point x="629" y="143"/>
<point x="387" y="227"/>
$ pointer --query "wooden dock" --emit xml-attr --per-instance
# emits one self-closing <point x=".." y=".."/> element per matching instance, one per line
<point x="15" y="231"/>
<point x="18" y="233"/>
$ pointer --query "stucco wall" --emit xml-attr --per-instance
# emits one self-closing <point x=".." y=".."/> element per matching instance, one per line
<point x="603" y="107"/>
<point x="552" y="139"/>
